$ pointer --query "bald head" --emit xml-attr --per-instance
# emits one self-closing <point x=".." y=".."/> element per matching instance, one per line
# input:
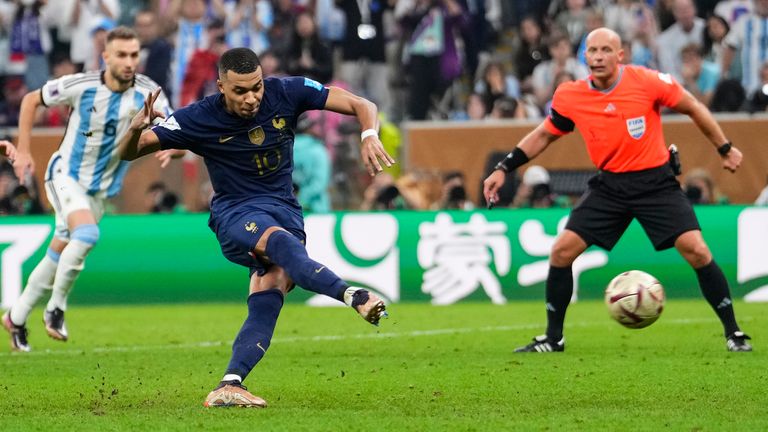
<point x="604" y="53"/>
<point x="604" y="36"/>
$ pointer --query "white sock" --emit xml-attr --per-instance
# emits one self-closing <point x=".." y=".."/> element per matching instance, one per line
<point x="40" y="279"/>
<point x="348" y="293"/>
<point x="232" y="377"/>
<point x="70" y="266"/>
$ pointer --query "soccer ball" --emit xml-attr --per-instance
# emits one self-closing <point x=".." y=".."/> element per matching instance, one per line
<point x="635" y="299"/>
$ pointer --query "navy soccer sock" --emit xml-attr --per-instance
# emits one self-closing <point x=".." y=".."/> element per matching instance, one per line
<point x="714" y="286"/>
<point x="559" y="291"/>
<point x="256" y="333"/>
<point x="287" y="251"/>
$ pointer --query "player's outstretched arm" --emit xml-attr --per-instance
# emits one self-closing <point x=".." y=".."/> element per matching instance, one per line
<point x="371" y="149"/>
<point x="705" y="121"/>
<point x="528" y="148"/>
<point x="23" y="164"/>
<point x="139" y="141"/>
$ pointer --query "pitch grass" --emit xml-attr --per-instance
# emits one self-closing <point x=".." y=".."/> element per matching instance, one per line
<point x="149" y="368"/>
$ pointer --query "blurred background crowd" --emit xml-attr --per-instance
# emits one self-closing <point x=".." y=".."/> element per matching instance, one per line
<point x="416" y="59"/>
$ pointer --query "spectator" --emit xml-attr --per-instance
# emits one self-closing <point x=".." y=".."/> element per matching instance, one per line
<point x="530" y="50"/>
<point x="700" y="188"/>
<point x="311" y="166"/>
<point x="434" y="61"/>
<point x="248" y="23"/>
<point x="729" y="96"/>
<point x="14" y="90"/>
<point x="190" y="36"/>
<point x="748" y="36"/>
<point x="156" y="52"/>
<point x="535" y="190"/>
<point x="21" y="201"/>
<point x="99" y="41"/>
<point x="700" y="77"/>
<point x="363" y="51"/>
<point x="562" y="60"/>
<point x="30" y="41"/>
<point x="454" y="193"/>
<point x="714" y="39"/>
<point x="84" y="14"/>
<point x="496" y="84"/>
<point x="271" y="65"/>
<point x="732" y="10"/>
<point x="159" y="199"/>
<point x="687" y="29"/>
<point x="202" y="73"/>
<point x="507" y="108"/>
<point x="475" y="109"/>
<point x="308" y="55"/>
<point x="758" y="101"/>
<point x="573" y="20"/>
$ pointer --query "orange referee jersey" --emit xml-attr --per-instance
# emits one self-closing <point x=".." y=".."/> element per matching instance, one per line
<point x="620" y="125"/>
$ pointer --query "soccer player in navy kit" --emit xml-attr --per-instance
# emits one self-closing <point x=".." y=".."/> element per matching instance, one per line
<point x="245" y="136"/>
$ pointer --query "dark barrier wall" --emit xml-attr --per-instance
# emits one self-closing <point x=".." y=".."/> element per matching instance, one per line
<point x="465" y="146"/>
<point x="444" y="257"/>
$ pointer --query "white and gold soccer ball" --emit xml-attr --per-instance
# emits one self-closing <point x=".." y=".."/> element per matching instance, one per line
<point x="635" y="299"/>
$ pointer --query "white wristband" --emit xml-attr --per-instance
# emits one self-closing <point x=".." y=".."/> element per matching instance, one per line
<point x="368" y="133"/>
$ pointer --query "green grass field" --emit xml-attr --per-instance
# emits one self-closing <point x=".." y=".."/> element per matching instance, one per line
<point x="426" y="368"/>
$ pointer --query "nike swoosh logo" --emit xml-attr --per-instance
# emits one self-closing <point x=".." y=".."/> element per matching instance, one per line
<point x="258" y="344"/>
<point x="320" y="269"/>
<point x="225" y="139"/>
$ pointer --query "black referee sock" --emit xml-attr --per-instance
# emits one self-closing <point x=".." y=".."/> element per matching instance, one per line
<point x="559" y="291"/>
<point x="715" y="289"/>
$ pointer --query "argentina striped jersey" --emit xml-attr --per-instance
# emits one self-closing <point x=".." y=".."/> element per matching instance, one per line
<point x="88" y="151"/>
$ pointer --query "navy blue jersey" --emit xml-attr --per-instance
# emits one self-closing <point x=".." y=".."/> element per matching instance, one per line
<point x="249" y="160"/>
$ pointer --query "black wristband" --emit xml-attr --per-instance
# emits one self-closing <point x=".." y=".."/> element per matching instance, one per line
<point x="724" y="149"/>
<point x="515" y="159"/>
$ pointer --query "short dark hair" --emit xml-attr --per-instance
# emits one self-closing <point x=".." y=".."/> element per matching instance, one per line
<point x="239" y="61"/>
<point x="121" y="32"/>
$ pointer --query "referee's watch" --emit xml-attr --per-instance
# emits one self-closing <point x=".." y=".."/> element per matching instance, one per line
<point x="725" y="149"/>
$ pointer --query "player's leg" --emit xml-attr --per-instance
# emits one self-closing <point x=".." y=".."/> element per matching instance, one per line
<point x="84" y="234"/>
<point x="264" y="303"/>
<point x="40" y="280"/>
<point x="286" y="250"/>
<point x="714" y="286"/>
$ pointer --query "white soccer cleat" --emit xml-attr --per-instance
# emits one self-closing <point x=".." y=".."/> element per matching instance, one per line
<point x="233" y="394"/>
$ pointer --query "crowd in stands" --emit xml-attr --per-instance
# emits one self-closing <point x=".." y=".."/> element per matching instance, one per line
<point x="416" y="59"/>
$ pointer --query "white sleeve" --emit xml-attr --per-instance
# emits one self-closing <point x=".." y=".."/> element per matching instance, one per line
<point x="164" y="106"/>
<point x="60" y="91"/>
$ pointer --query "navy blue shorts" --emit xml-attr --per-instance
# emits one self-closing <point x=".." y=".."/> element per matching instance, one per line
<point x="239" y="231"/>
<point x="652" y="196"/>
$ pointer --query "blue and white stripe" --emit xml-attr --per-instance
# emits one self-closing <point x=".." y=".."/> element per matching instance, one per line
<point x="99" y="118"/>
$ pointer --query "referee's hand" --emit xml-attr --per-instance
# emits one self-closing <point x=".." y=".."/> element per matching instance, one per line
<point x="492" y="184"/>
<point x="732" y="160"/>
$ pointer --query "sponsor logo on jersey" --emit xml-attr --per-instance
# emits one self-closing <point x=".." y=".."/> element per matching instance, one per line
<point x="223" y="139"/>
<point x="251" y="227"/>
<point x="667" y="78"/>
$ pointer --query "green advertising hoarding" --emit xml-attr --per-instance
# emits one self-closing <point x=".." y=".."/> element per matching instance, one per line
<point x="438" y="257"/>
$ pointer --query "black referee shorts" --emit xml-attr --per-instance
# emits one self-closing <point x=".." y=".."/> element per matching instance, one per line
<point x="653" y="196"/>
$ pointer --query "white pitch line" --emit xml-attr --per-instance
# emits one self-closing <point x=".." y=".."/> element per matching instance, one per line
<point x="326" y="338"/>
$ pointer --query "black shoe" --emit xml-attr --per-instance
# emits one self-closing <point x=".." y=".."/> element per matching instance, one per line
<point x="542" y="344"/>
<point x="18" y="334"/>
<point x="54" y="324"/>
<point x="738" y="342"/>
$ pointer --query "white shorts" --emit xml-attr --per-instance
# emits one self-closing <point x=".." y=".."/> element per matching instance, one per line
<point x="66" y="195"/>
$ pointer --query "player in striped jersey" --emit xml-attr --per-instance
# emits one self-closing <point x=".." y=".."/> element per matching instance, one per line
<point x="81" y="174"/>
